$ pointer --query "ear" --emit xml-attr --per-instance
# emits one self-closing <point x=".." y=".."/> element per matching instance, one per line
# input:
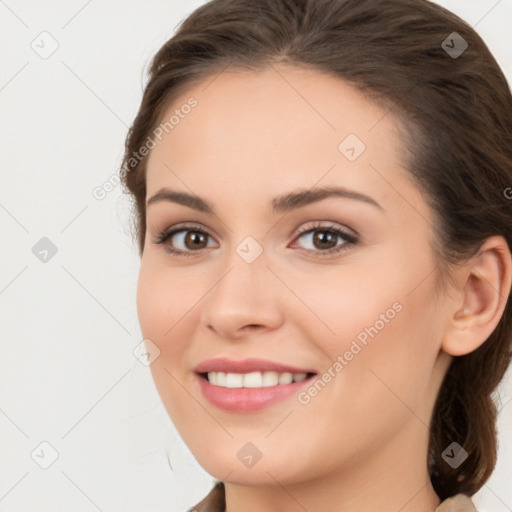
<point x="484" y="284"/>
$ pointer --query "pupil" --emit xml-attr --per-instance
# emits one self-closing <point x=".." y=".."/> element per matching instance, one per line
<point x="196" y="238"/>
<point x="324" y="236"/>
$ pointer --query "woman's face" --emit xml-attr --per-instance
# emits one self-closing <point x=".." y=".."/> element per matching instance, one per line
<point x="340" y="285"/>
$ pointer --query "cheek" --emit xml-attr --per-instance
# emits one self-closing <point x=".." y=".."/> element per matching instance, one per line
<point x="381" y="319"/>
<point x="152" y="303"/>
<point x="166" y="312"/>
<point x="165" y="307"/>
<point x="165" y="300"/>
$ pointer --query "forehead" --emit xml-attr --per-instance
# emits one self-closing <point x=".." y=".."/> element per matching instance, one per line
<point x="263" y="132"/>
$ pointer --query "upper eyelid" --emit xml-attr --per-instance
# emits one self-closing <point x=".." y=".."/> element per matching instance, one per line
<point x="190" y="226"/>
<point x="319" y="225"/>
<point x="187" y="227"/>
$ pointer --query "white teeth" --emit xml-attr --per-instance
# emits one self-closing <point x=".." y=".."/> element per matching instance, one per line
<point x="253" y="379"/>
<point x="285" y="378"/>
<point x="270" y="379"/>
<point x="220" y="379"/>
<point x="234" y="380"/>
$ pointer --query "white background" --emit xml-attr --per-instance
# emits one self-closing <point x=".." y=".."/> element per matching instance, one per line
<point x="69" y="326"/>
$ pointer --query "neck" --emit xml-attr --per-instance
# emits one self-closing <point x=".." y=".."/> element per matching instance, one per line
<point x="394" y="479"/>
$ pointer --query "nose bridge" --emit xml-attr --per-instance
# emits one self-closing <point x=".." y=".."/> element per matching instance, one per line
<point x="241" y="295"/>
<point x="244" y="272"/>
<point x="246" y="258"/>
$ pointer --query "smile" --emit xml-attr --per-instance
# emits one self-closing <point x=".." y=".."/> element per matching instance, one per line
<point x="250" y="392"/>
<point x="253" y="379"/>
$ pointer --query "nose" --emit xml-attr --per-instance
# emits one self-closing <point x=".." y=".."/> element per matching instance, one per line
<point x="244" y="299"/>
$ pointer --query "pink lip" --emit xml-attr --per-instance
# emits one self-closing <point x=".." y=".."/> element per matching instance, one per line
<point x="247" y="399"/>
<point x="222" y="364"/>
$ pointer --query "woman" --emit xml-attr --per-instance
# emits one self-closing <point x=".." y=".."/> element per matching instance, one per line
<point x="321" y="209"/>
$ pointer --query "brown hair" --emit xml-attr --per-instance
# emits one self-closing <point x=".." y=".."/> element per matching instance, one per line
<point x="456" y="115"/>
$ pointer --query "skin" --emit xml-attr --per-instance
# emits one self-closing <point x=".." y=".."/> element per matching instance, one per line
<point x="361" y="443"/>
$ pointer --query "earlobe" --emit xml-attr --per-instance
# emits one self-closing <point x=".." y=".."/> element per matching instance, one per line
<point x="485" y="288"/>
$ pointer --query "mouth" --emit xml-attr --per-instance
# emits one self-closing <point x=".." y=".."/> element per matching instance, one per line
<point x="250" y="384"/>
<point x="254" y="380"/>
<point x="250" y="392"/>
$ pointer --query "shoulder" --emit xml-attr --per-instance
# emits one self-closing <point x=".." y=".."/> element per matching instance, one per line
<point x="457" y="503"/>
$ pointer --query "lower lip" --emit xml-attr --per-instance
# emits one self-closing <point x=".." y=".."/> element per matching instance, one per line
<point x="248" y="399"/>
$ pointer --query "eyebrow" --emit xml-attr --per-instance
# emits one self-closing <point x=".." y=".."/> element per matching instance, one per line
<point x="281" y="204"/>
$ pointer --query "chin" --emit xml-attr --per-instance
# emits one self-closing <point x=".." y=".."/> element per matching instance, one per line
<point x="273" y="471"/>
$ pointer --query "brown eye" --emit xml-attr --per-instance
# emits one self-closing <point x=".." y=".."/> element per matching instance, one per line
<point x="325" y="239"/>
<point x="195" y="240"/>
<point x="184" y="241"/>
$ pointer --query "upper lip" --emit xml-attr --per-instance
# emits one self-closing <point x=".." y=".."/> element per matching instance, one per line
<point x="222" y="364"/>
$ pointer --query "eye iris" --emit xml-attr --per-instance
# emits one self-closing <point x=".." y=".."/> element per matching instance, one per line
<point x="196" y="238"/>
<point x="324" y="236"/>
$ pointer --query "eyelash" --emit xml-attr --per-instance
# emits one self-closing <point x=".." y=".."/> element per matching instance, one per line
<point x="163" y="236"/>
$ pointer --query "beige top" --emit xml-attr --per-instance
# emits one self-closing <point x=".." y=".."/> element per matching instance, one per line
<point x="215" y="501"/>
